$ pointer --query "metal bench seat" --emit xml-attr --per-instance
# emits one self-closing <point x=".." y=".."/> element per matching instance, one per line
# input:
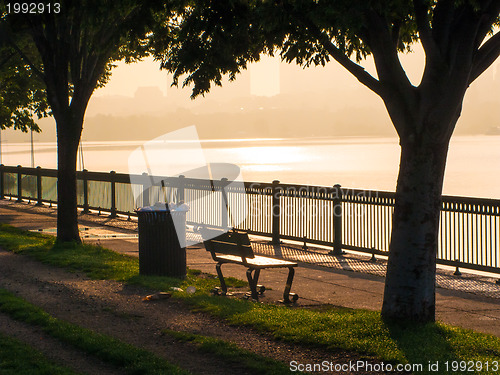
<point x="257" y="261"/>
<point x="234" y="247"/>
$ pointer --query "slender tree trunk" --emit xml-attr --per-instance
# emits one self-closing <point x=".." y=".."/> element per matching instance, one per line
<point x="68" y="137"/>
<point x="411" y="270"/>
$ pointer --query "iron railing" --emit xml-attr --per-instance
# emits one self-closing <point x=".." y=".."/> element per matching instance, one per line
<point x="349" y="219"/>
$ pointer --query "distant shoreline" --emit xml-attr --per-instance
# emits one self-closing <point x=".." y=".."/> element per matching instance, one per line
<point x="218" y="142"/>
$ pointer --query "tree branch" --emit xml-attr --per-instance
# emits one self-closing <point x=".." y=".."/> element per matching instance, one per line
<point x="396" y="29"/>
<point x="485" y="56"/>
<point x="27" y="60"/>
<point x="355" y="69"/>
<point x="489" y="14"/>
<point x="7" y="34"/>
<point x="7" y="57"/>
<point x="442" y="22"/>
<point x="424" y="28"/>
<point x="385" y="53"/>
<point x="75" y="38"/>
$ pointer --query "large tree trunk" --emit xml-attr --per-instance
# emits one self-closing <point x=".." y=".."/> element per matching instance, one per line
<point x="411" y="270"/>
<point x="69" y="131"/>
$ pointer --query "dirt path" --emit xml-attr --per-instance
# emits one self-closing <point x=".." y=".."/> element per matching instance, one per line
<point x="117" y="310"/>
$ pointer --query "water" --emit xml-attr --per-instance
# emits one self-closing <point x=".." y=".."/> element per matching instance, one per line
<point x="371" y="163"/>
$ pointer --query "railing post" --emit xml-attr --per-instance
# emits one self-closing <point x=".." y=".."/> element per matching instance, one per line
<point x="19" y="184"/>
<point x="85" y="191"/>
<point x="39" y="196"/>
<point x="180" y="189"/>
<point x="224" y="205"/>
<point x="112" y="178"/>
<point x="276" y="212"/>
<point x="337" y="220"/>
<point x="145" y="190"/>
<point x="2" y="177"/>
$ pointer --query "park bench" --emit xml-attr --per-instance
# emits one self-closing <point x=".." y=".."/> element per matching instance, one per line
<point x="234" y="246"/>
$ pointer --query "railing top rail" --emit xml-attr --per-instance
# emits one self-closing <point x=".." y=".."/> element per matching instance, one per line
<point x="29" y="170"/>
<point x="450" y="203"/>
<point x="103" y="176"/>
<point x="360" y="193"/>
<point x="471" y="200"/>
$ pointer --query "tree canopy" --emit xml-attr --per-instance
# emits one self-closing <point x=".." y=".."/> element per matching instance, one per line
<point x="22" y="93"/>
<point x="222" y="37"/>
<point x="75" y="45"/>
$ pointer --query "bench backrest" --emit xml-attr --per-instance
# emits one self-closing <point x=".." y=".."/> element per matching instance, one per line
<point x="235" y="242"/>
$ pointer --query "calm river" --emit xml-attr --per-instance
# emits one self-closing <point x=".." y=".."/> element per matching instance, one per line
<point x="372" y="163"/>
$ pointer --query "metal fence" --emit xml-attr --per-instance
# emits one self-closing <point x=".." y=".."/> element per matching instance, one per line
<point x="349" y="219"/>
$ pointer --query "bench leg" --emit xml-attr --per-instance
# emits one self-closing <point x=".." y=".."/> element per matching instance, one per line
<point x="221" y="279"/>
<point x="252" y="281"/>
<point x="289" y="281"/>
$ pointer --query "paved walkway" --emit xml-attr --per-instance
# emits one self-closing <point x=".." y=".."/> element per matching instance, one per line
<point x="351" y="280"/>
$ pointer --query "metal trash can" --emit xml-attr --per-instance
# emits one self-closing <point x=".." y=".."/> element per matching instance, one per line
<point x="160" y="252"/>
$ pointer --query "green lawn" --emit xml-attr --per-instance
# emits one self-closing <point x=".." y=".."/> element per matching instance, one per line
<point x="18" y="358"/>
<point x="337" y="329"/>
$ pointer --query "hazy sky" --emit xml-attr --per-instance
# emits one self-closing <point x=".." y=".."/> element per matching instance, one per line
<point x="266" y="77"/>
<point x="328" y="96"/>
<point x="127" y="78"/>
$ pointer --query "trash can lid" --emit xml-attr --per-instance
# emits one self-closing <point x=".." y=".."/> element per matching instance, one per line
<point x="182" y="207"/>
<point x="158" y="206"/>
<point x="161" y="206"/>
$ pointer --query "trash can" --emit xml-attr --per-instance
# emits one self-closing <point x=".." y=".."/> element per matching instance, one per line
<point x="160" y="252"/>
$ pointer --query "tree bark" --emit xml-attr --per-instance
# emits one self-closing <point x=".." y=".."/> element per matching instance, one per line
<point x="411" y="271"/>
<point x="69" y="131"/>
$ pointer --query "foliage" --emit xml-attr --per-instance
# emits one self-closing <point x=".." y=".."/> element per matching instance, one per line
<point x="213" y="38"/>
<point x="82" y="40"/>
<point x="22" y="93"/>
<point x="75" y="47"/>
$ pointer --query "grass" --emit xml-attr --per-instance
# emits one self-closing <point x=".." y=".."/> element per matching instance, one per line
<point x="18" y="358"/>
<point x="98" y="262"/>
<point x="131" y="359"/>
<point x="232" y="353"/>
<point x="337" y="329"/>
<point x="360" y="331"/>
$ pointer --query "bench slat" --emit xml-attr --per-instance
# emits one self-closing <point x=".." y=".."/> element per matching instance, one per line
<point x="233" y="242"/>
<point x="231" y="248"/>
<point x="258" y="261"/>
